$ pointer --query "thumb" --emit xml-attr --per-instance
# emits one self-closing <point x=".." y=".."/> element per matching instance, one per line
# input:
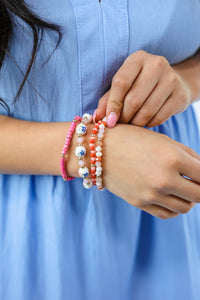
<point x="115" y="104"/>
<point x="100" y="112"/>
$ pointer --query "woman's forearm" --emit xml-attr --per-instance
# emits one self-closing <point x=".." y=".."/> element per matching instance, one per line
<point x="189" y="70"/>
<point x="34" y="147"/>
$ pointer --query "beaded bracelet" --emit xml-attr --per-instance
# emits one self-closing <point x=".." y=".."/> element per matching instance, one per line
<point x="93" y="152"/>
<point x="98" y="163"/>
<point x="80" y="151"/>
<point x="75" y="121"/>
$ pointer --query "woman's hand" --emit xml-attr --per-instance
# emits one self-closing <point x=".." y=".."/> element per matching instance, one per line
<point x="145" y="91"/>
<point x="146" y="169"/>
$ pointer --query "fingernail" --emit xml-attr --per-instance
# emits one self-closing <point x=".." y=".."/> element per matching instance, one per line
<point x="112" y="119"/>
<point x="94" y="115"/>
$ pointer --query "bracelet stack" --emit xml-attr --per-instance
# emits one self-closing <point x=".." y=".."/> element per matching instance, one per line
<point x="93" y="175"/>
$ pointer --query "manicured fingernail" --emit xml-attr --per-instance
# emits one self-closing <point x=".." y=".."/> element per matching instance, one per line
<point x="112" y="119"/>
<point x="94" y="115"/>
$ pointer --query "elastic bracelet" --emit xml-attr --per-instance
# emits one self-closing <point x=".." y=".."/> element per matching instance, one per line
<point x="99" y="153"/>
<point x="93" y="152"/>
<point x="70" y="133"/>
<point x="80" y="151"/>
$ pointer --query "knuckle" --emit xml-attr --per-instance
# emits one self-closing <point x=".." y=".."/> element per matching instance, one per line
<point x="172" y="78"/>
<point x="120" y="82"/>
<point x="140" y="53"/>
<point x="162" y="183"/>
<point x="173" y="160"/>
<point x="117" y="105"/>
<point x="160" y="62"/>
<point x="150" y="196"/>
<point x="132" y="101"/>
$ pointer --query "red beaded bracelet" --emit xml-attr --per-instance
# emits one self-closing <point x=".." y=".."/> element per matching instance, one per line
<point x="70" y="133"/>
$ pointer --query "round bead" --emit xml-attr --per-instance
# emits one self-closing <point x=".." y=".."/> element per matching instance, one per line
<point x="99" y="154"/>
<point x="83" y="172"/>
<point x="98" y="158"/>
<point x="100" y="135"/>
<point x="81" y="163"/>
<point x="101" y="130"/>
<point x="87" y="118"/>
<point x="99" y="143"/>
<point x="98" y="148"/>
<point x="98" y="173"/>
<point x="98" y="163"/>
<point x="98" y="183"/>
<point x="80" y="151"/>
<point x="87" y="183"/>
<point x="101" y="126"/>
<point x="99" y="179"/>
<point x="81" y="129"/>
<point x="99" y="169"/>
<point x="80" y="140"/>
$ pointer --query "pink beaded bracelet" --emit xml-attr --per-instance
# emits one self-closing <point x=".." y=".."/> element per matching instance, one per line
<point x="70" y="133"/>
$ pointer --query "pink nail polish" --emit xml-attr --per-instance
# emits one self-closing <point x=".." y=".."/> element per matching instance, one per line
<point x="112" y="119"/>
<point x="94" y="115"/>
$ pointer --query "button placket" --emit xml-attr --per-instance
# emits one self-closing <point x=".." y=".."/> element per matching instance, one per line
<point x="102" y="32"/>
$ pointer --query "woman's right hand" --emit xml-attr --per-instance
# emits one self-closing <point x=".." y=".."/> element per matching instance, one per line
<point x="146" y="169"/>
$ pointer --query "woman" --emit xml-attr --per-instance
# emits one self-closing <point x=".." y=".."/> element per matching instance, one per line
<point x="59" y="241"/>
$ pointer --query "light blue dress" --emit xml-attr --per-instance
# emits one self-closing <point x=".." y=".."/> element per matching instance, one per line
<point x="57" y="240"/>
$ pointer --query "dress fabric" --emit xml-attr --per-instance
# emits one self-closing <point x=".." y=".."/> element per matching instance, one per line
<point x="59" y="241"/>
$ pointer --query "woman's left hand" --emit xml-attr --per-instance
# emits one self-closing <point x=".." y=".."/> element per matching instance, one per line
<point x="145" y="91"/>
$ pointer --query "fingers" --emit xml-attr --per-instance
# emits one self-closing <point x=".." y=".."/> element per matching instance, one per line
<point x="190" y="167"/>
<point x="122" y="82"/>
<point x="159" y="211"/>
<point x="153" y="104"/>
<point x="187" y="190"/>
<point x="174" y="204"/>
<point x="169" y="108"/>
<point x="139" y="92"/>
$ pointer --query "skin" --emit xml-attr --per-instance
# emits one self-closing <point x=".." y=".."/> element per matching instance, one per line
<point x="34" y="148"/>
<point x="146" y="90"/>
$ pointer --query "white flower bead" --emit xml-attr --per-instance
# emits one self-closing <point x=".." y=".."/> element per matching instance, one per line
<point x="87" y="118"/>
<point x="99" y="154"/>
<point x="81" y="129"/>
<point x="98" y="149"/>
<point x="83" y="172"/>
<point x="98" y="184"/>
<point x="87" y="183"/>
<point x="101" y="126"/>
<point x="80" y="151"/>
